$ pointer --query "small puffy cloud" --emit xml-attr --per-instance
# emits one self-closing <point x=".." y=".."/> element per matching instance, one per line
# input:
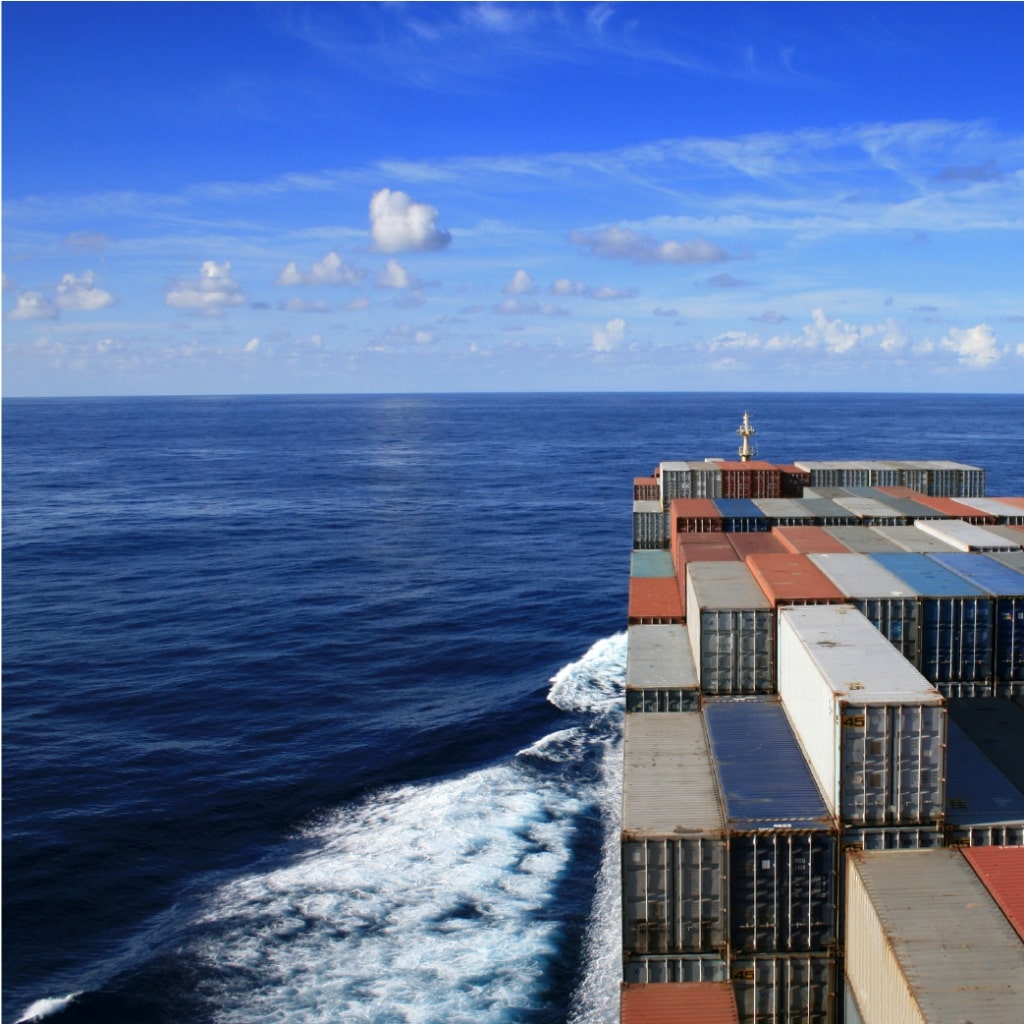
<point x="769" y="316"/>
<point x="210" y="292"/>
<point x="305" y="306"/>
<point x="105" y="345"/>
<point x="892" y="337"/>
<point x="608" y="337"/>
<point x="397" y="224"/>
<point x="626" y="244"/>
<point x="394" y="275"/>
<point x="735" y="340"/>
<point x="974" y="347"/>
<point x="252" y="345"/>
<point x="423" y="337"/>
<point x="724" y="281"/>
<point x="81" y="294"/>
<point x="521" y="284"/>
<point x="1020" y="349"/>
<point x="331" y="270"/>
<point x="834" y="335"/>
<point x="33" y="306"/>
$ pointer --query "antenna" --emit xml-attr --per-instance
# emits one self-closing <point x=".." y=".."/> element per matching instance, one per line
<point x="746" y="451"/>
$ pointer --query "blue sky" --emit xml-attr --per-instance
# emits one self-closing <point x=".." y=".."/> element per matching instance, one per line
<point x="233" y="198"/>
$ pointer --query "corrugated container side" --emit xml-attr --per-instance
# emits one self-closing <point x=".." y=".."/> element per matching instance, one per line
<point x="964" y="536"/>
<point x="732" y="629"/>
<point x="1001" y="870"/>
<point x="654" y="601"/>
<point x="983" y="807"/>
<point x="826" y="512"/>
<point x="658" y="970"/>
<point x="861" y="539"/>
<point x="673" y="846"/>
<point x="741" y="515"/>
<point x="761" y="542"/>
<point x="648" y="525"/>
<point x="872" y="728"/>
<point x="793" y="579"/>
<point x="660" y="673"/>
<point x="996" y="726"/>
<point x="956" y="619"/>
<point x="707" y="1002"/>
<point x="785" y="989"/>
<point x="782" y="839"/>
<point x="694" y="515"/>
<point x="646" y="488"/>
<point x="914" y="958"/>
<point x="805" y="540"/>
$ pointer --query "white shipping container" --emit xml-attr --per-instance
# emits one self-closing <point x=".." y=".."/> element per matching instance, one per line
<point x="1007" y="513"/>
<point x="660" y="673"/>
<point x="872" y="727"/>
<point x="964" y="536"/>
<point x="673" y="838"/>
<point x="926" y="943"/>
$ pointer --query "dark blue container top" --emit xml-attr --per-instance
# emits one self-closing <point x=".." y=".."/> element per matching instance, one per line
<point x="984" y="572"/>
<point x="977" y="792"/>
<point x="765" y="780"/>
<point x="925" y="575"/>
<point x="738" y="508"/>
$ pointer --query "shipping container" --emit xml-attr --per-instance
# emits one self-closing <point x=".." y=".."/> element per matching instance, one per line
<point x="965" y="536"/>
<point x="1005" y="512"/>
<point x="806" y="540"/>
<point x="826" y="512"/>
<point x="651" y="563"/>
<point x="744" y="544"/>
<point x="648" y="525"/>
<point x="785" y="511"/>
<point x="741" y="515"/>
<point x="700" y="547"/>
<point x="646" y="488"/>
<point x="926" y="943"/>
<point x="692" y="515"/>
<point x="1014" y="559"/>
<point x="997" y="727"/>
<point x="1017" y="502"/>
<point x="1014" y="534"/>
<point x="782" y="838"/>
<point x="792" y="481"/>
<point x="891" y="606"/>
<point x="659" y="970"/>
<point x="792" y="579"/>
<point x="910" y="538"/>
<point x="706" y="1002"/>
<point x="861" y="539"/>
<point x="654" y="601"/>
<point x="951" y="508"/>
<point x="983" y="807"/>
<point x="660" y="673"/>
<point x="872" y="727"/>
<point x="673" y="840"/>
<point x="731" y="627"/>
<point x="750" y="479"/>
<point x="1001" y="871"/>
<point x="871" y="511"/>
<point x="911" y="508"/>
<point x="1006" y="586"/>
<point x="785" y="989"/>
<point x="955" y="623"/>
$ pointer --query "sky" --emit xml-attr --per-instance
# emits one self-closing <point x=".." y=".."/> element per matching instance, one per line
<point x="207" y="198"/>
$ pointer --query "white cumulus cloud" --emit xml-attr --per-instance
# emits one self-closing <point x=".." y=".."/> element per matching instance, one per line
<point x="397" y="224"/>
<point x="626" y="244"/>
<point x="834" y="335"/>
<point x="605" y="338"/>
<point x="394" y="275"/>
<point x="974" y="347"/>
<point x="252" y="345"/>
<point x="80" y="293"/>
<point x="521" y="284"/>
<point x="331" y="270"/>
<point x="33" y="306"/>
<point x="210" y="292"/>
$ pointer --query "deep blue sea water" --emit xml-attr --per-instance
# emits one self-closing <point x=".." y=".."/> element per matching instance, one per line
<point x="311" y="705"/>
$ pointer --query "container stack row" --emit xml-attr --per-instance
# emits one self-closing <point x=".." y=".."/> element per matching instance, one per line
<point x="796" y="703"/>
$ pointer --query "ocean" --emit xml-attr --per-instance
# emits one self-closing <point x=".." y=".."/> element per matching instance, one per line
<point x="312" y="705"/>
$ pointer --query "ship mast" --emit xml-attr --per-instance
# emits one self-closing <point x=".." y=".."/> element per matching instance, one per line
<point x="746" y="451"/>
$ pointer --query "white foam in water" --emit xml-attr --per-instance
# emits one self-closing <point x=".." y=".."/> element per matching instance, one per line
<point x="595" y="682"/>
<point x="42" y="1008"/>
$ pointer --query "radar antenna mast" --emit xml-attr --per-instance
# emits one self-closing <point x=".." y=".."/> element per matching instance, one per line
<point x="746" y="450"/>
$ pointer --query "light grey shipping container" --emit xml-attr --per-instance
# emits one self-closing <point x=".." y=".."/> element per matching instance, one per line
<point x="861" y="539"/>
<point x="871" y="512"/>
<point x="910" y="538"/>
<point x="660" y="673"/>
<point x="648" y="525"/>
<point x="785" y="989"/>
<point x="964" y="536"/>
<point x="785" y="511"/>
<point x="732" y="629"/>
<point x="872" y="727"/>
<point x="1011" y="533"/>
<point x="649" y="970"/>
<point x="673" y="842"/>
<point x="889" y="604"/>
<point x="1012" y="515"/>
<point x="1014" y="559"/>
<point x="925" y="942"/>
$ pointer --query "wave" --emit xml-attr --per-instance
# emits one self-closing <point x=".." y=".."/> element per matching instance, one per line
<point x="456" y="900"/>
<point x="43" y="1008"/>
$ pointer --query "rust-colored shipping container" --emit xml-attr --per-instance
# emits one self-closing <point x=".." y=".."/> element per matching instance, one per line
<point x="750" y="480"/>
<point x="793" y="579"/>
<point x="689" y="518"/>
<point x="758" y="543"/>
<point x="655" y="600"/>
<point x="646" y="488"/>
<point x="1001" y="870"/>
<point x="1019" y="502"/>
<point x="700" y="547"/>
<point x="809" y="540"/>
<point x="694" y="1002"/>
<point x="792" y="481"/>
<point x="948" y="506"/>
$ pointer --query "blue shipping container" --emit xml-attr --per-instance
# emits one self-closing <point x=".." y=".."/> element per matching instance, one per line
<point x="741" y="515"/>
<point x="782" y="839"/>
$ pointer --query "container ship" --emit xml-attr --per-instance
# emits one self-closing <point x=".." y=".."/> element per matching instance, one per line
<point x="823" y="776"/>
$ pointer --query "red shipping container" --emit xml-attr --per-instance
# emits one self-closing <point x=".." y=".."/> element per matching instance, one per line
<point x="694" y="1002"/>
<point x="646" y="488"/>
<point x="793" y="579"/>
<point x="655" y="601"/>
<point x="750" y="480"/>
<point x="755" y="544"/>
<point x="809" y="540"/>
<point x="1001" y="870"/>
